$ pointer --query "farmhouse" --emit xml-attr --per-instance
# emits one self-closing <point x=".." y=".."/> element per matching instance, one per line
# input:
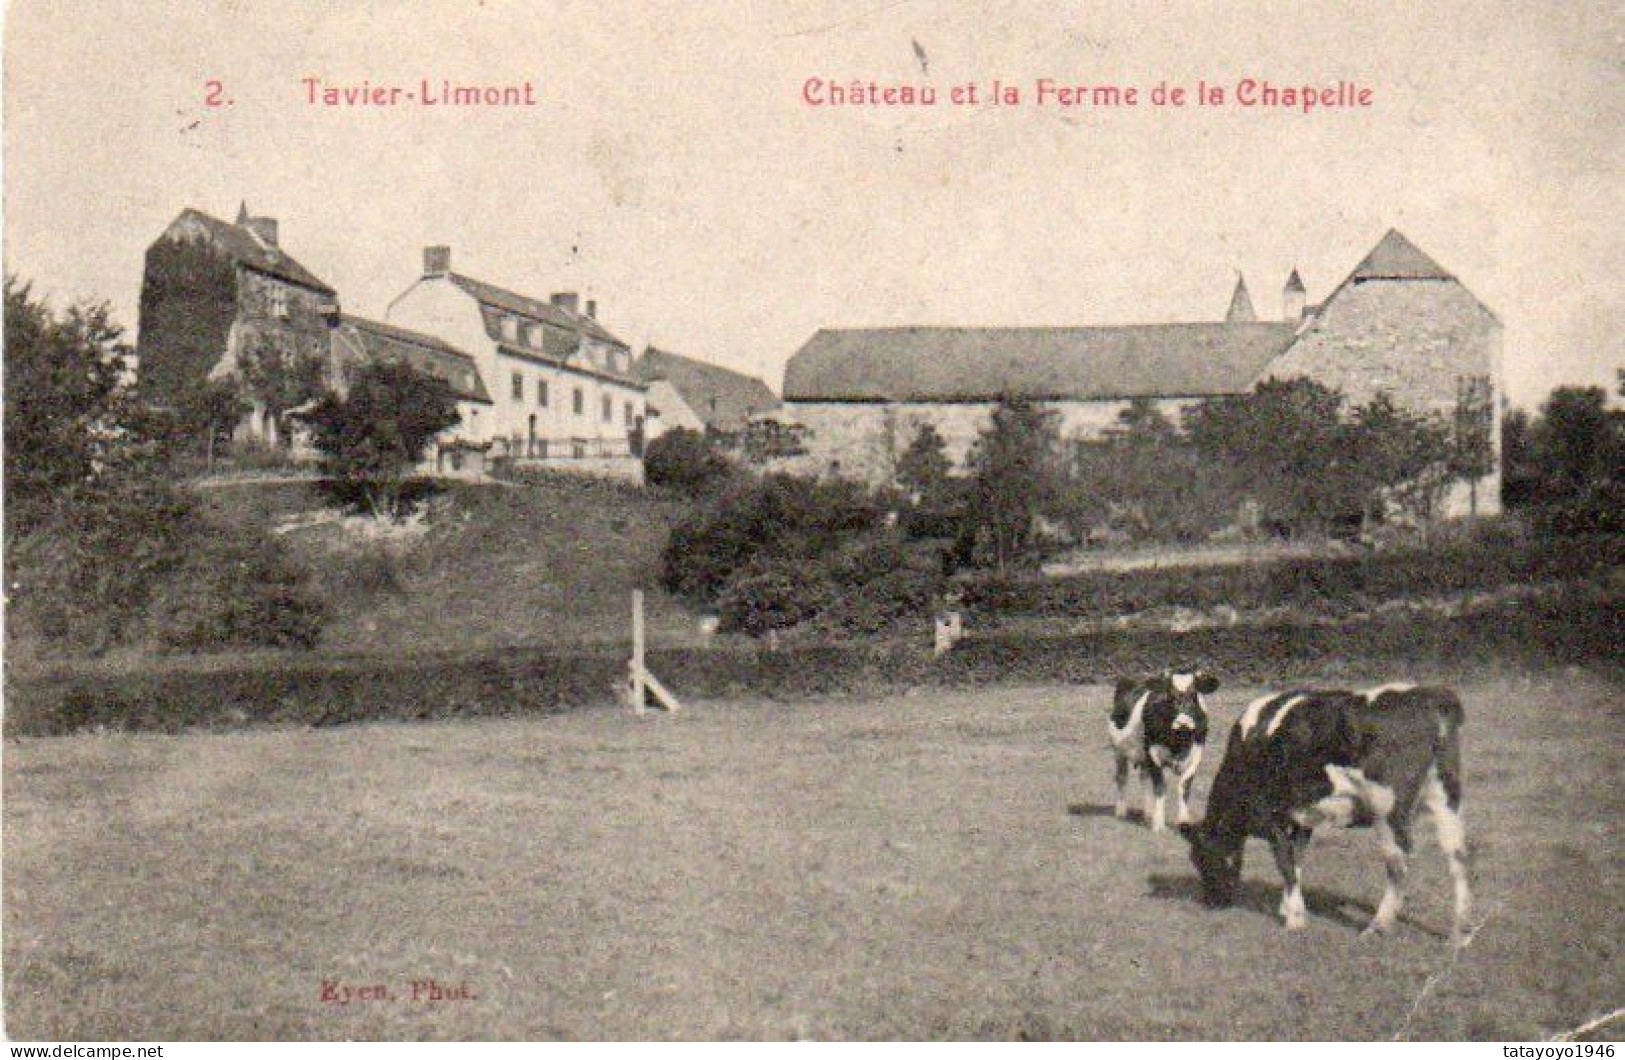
<point x="563" y="389"/>
<point x="1399" y="324"/>
<point x="699" y="396"/>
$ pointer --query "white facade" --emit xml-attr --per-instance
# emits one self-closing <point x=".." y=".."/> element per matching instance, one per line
<point x="546" y="405"/>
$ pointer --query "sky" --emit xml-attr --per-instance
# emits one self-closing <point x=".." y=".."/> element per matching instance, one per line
<point x="672" y="171"/>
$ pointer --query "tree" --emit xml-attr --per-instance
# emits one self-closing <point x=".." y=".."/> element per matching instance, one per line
<point x="1392" y="453"/>
<point x="684" y="459"/>
<point x="280" y="376"/>
<point x="68" y="411"/>
<point x="203" y="415"/>
<point x="1282" y="444"/>
<point x="924" y="464"/>
<point x="100" y="540"/>
<point x="1472" y="457"/>
<point x="1015" y="470"/>
<point x="372" y="437"/>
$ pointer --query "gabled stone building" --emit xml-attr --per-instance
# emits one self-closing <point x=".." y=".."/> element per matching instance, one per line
<point x="211" y="291"/>
<point x="1399" y="323"/>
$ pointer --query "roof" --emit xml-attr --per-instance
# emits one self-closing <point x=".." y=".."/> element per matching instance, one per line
<point x="1083" y="363"/>
<point x="1397" y="258"/>
<point x="246" y="248"/>
<point x="1294" y="282"/>
<point x="371" y="339"/>
<point x="546" y="312"/>
<point x="726" y="400"/>
<point x="1241" y="304"/>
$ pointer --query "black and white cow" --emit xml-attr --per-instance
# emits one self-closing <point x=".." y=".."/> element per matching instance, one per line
<point x="1299" y="760"/>
<point x="1159" y="726"/>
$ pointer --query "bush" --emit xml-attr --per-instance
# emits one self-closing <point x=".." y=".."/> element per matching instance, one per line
<point x="777" y="595"/>
<point x="236" y="591"/>
<point x="778" y="514"/>
<point x="684" y="459"/>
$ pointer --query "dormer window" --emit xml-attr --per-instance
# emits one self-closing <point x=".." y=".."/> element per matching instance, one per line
<point x="510" y="328"/>
<point x="533" y="336"/>
<point x="277" y="301"/>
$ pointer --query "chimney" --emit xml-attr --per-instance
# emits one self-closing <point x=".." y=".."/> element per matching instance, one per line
<point x="436" y="261"/>
<point x="566" y="300"/>
<point x="1292" y="299"/>
<point x="592" y="308"/>
<point x="264" y="228"/>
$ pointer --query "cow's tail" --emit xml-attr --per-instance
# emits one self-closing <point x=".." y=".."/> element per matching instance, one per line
<point x="1447" y="746"/>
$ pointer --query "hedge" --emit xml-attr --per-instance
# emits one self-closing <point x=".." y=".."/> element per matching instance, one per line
<point x="1318" y="585"/>
<point x="282" y="691"/>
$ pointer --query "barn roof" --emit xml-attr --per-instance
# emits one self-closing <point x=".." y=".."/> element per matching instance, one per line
<point x="724" y="399"/>
<point x="371" y="339"/>
<point x="1081" y="363"/>
<point x="244" y="247"/>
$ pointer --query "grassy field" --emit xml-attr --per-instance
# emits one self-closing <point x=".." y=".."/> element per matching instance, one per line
<point x="935" y="865"/>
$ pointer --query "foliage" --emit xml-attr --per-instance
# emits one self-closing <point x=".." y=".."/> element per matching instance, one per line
<point x="1015" y="470"/>
<point x="278" y="374"/>
<point x="67" y="412"/>
<point x="235" y="590"/>
<point x="1143" y="481"/>
<point x="777" y="514"/>
<point x="203" y="414"/>
<point x="685" y="459"/>
<point x="1569" y="464"/>
<point x="98" y="536"/>
<point x="924" y="465"/>
<point x="372" y="437"/>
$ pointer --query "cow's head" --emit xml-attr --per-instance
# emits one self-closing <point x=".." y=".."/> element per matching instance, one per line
<point x="1176" y="697"/>
<point x="1217" y="862"/>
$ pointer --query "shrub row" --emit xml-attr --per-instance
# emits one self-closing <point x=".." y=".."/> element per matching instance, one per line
<point x="325" y="691"/>
<point x="1313" y="583"/>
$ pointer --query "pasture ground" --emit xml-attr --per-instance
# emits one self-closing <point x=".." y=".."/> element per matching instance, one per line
<point x="922" y="866"/>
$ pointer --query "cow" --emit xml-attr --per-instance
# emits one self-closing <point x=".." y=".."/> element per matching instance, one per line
<point x="1299" y="760"/>
<point x="1159" y="725"/>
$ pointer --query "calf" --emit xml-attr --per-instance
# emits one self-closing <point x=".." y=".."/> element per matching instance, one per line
<point x="1159" y="725"/>
<point x="1299" y="760"/>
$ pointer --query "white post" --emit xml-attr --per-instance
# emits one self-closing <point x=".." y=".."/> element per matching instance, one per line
<point x="950" y="628"/>
<point x="640" y="682"/>
<point x="636" y="685"/>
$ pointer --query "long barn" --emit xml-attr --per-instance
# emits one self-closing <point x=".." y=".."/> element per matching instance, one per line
<point x="1399" y="323"/>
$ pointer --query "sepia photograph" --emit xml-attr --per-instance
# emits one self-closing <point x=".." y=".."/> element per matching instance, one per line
<point x="829" y="520"/>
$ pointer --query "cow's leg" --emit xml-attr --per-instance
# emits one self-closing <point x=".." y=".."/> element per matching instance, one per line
<point x="1394" y="833"/>
<point x="1120" y="811"/>
<point x="1453" y="842"/>
<point x="1182" y="789"/>
<point x="1156" y="796"/>
<point x="1287" y="843"/>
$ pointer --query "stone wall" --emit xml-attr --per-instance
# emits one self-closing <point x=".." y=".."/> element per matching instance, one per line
<point x="862" y="440"/>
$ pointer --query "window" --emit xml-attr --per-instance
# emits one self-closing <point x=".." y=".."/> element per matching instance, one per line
<point x="578" y="401"/>
<point x="541" y="392"/>
<point x="510" y="328"/>
<point x="533" y="336"/>
<point x="277" y="301"/>
<point x="518" y="387"/>
<point x="630" y="416"/>
<point x="609" y="409"/>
